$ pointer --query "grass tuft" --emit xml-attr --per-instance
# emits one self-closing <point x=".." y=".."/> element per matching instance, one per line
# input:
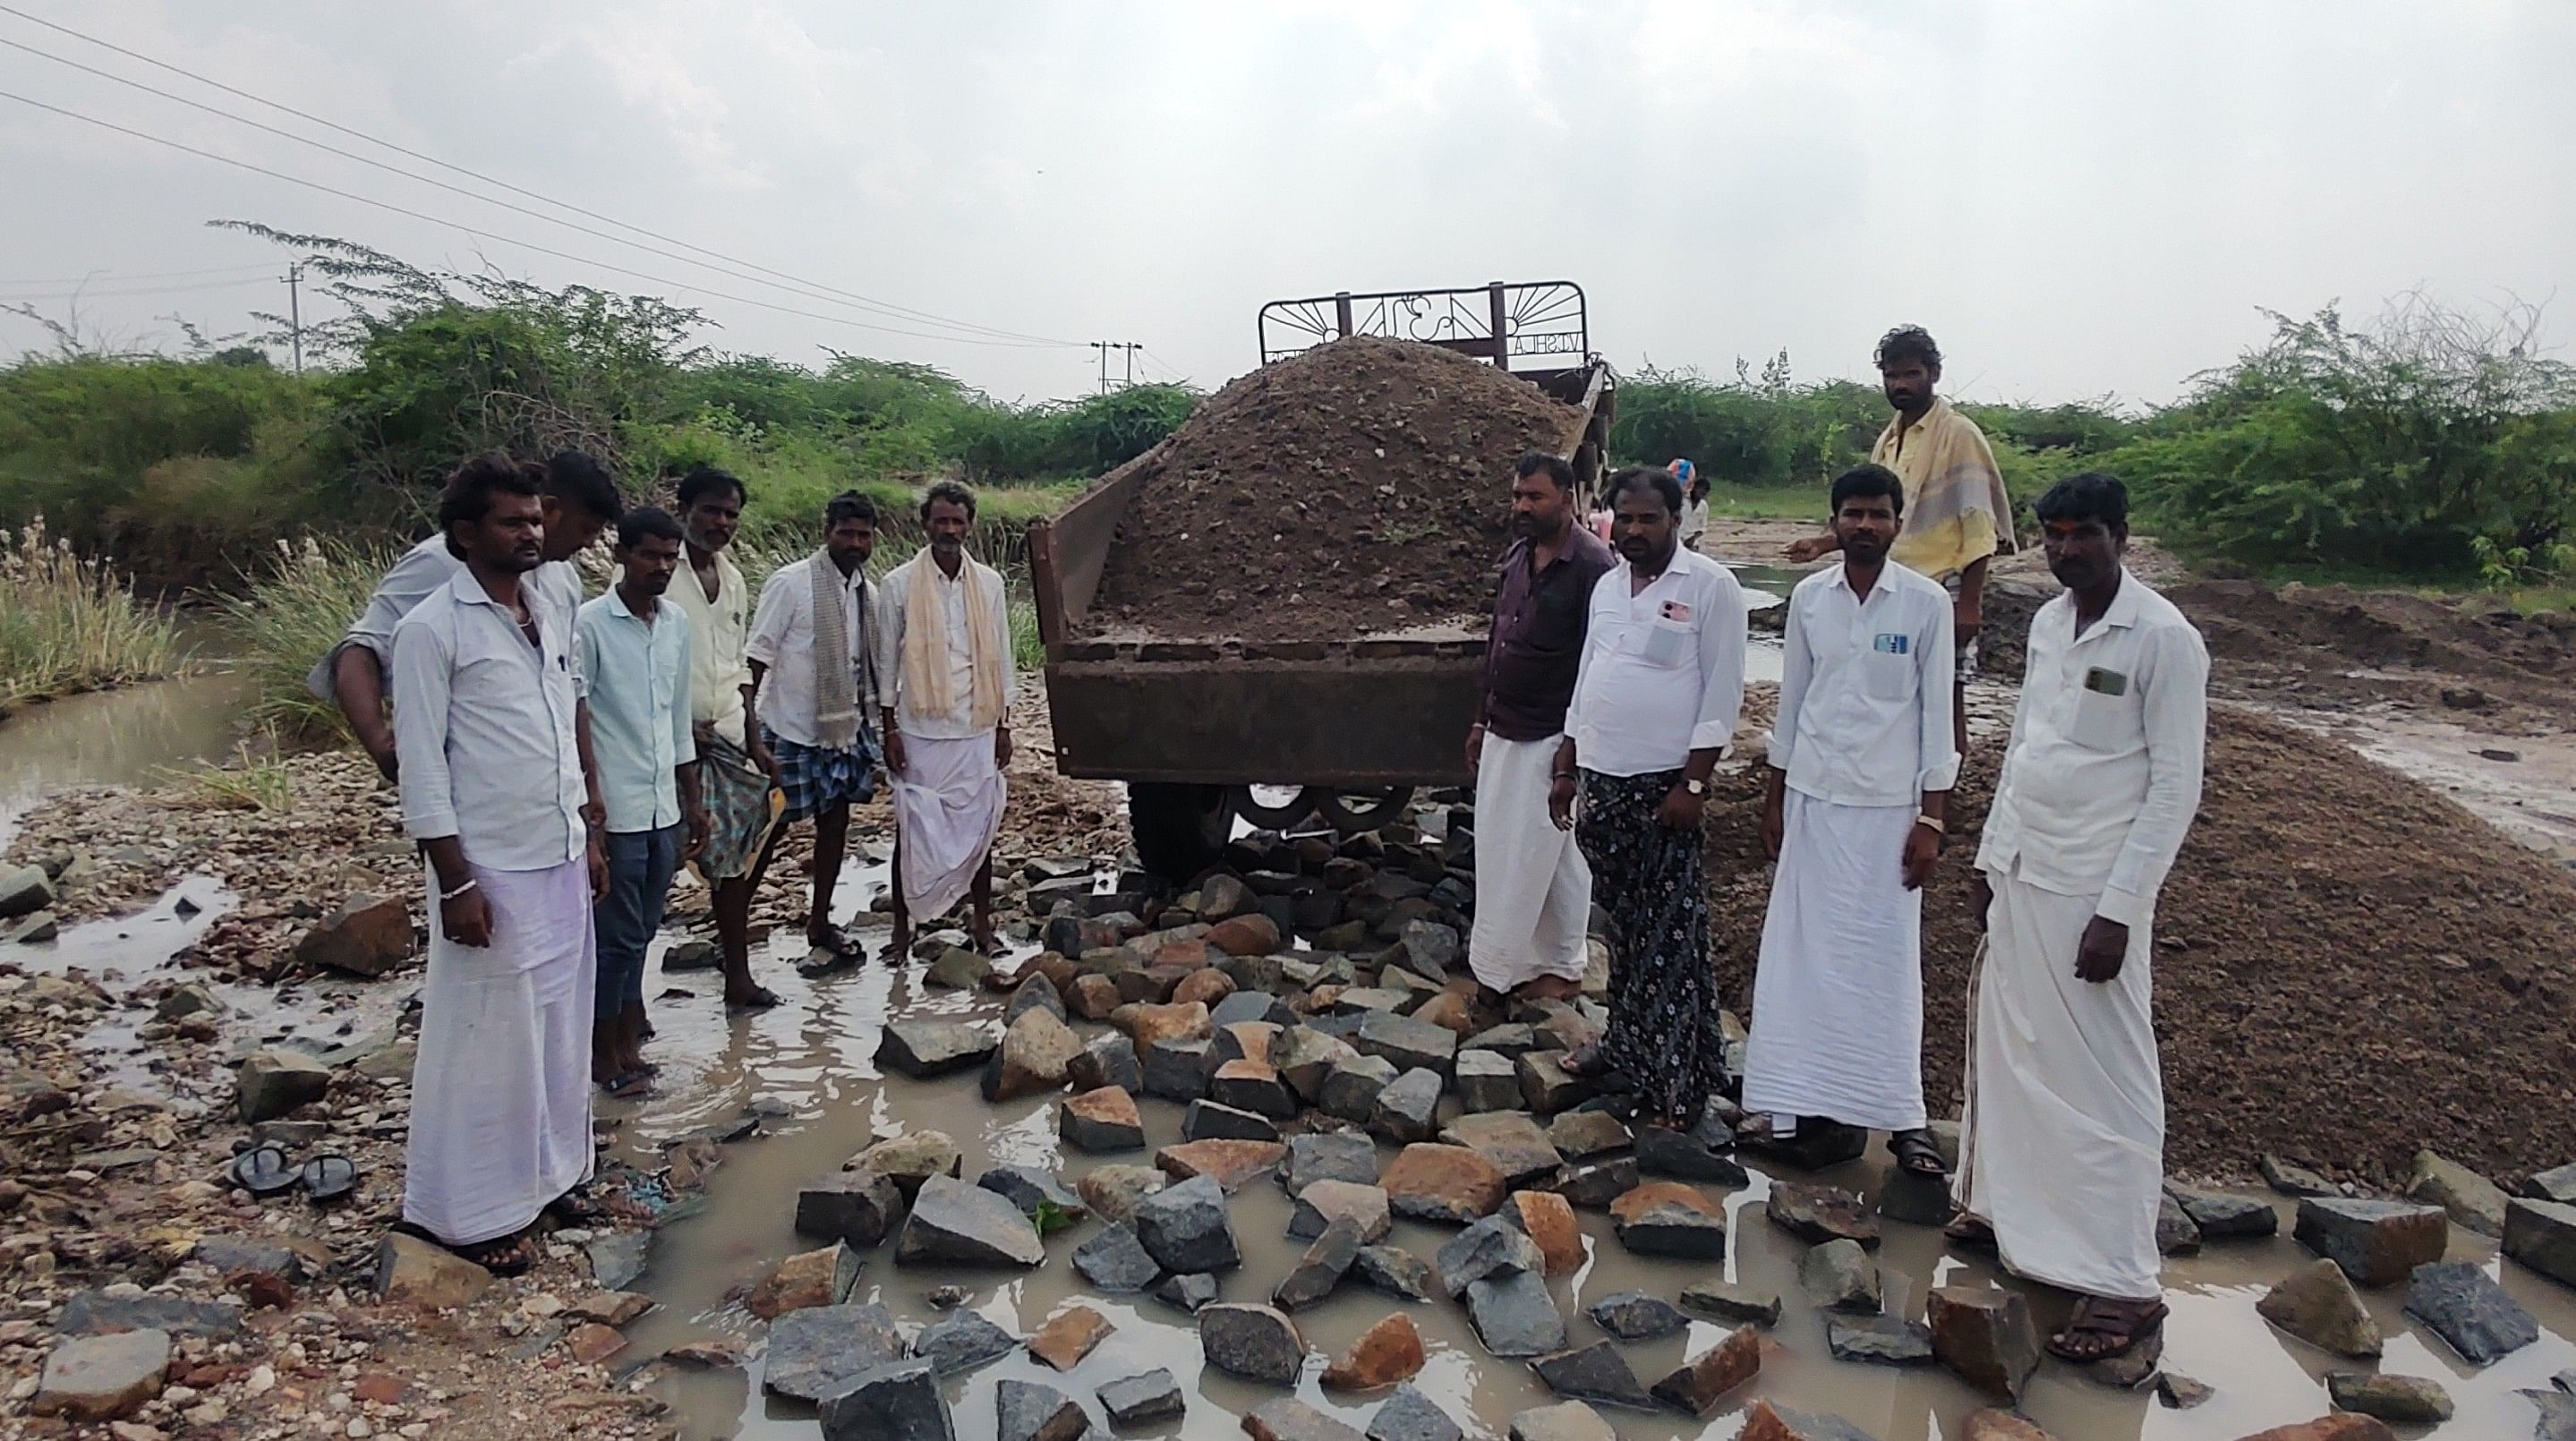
<point x="67" y="624"/>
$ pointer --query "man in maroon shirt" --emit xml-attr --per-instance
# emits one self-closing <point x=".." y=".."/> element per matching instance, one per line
<point x="1533" y="890"/>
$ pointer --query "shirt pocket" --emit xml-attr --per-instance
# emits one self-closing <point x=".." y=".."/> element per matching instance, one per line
<point x="1666" y="644"/>
<point x="2107" y="722"/>
<point x="1887" y="675"/>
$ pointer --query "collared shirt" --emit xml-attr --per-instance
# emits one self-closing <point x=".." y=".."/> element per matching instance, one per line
<point x="1694" y="521"/>
<point x="782" y="640"/>
<point x="1537" y="641"/>
<point x="421" y="571"/>
<point x="1953" y="491"/>
<point x="892" y="599"/>
<point x="1663" y="669"/>
<point x="719" y="628"/>
<point x="2103" y="775"/>
<point x="483" y="727"/>
<point x="1865" y="699"/>
<point x="635" y="675"/>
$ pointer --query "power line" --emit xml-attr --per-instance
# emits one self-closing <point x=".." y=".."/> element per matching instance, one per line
<point x="112" y="276"/>
<point x="145" y="290"/>
<point x="388" y="206"/>
<point x="881" y="307"/>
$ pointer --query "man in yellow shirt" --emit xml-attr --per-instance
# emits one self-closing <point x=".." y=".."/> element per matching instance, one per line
<point x="1957" y="515"/>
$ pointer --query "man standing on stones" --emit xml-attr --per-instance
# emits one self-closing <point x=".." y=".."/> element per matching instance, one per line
<point x="1862" y="761"/>
<point x="634" y="666"/>
<point x="1655" y="704"/>
<point x="737" y="776"/>
<point x="485" y="702"/>
<point x="812" y="680"/>
<point x="579" y="502"/>
<point x="2062" y="1156"/>
<point x="1957" y="514"/>
<point x="945" y="653"/>
<point x="1533" y="891"/>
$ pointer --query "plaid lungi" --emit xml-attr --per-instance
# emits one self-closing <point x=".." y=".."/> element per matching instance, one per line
<point x="742" y="809"/>
<point x="817" y="778"/>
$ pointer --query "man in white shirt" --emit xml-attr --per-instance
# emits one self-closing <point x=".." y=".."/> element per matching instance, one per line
<point x="944" y="651"/>
<point x="2062" y="1157"/>
<point x="634" y="664"/>
<point x="1858" y="788"/>
<point x="492" y="785"/>
<point x="812" y="683"/>
<point x="580" y="499"/>
<point x="1655" y="704"/>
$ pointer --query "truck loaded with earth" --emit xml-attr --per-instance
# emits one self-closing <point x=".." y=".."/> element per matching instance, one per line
<point x="1279" y="612"/>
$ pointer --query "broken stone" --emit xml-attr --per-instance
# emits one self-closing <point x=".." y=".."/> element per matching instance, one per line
<point x="1583" y="1135"/>
<point x="910" y="1160"/>
<point x="1351" y="1088"/>
<point x="2221" y="1216"/>
<point x="958" y="1224"/>
<point x="617" y="1260"/>
<point x="1488" y="1247"/>
<point x="1547" y="1219"/>
<point x="364" y="936"/>
<point x="101" y="1378"/>
<point x="1108" y="1060"/>
<point x="1027" y="1411"/>
<point x="1702" y="1154"/>
<point x="1214" y="1121"/>
<point x="1700" y="1386"/>
<point x="2472" y="1200"/>
<point x="1993" y="1425"/>
<point x="2340" y="1426"/>
<point x="1305" y="1056"/>
<point x="1320" y="1269"/>
<point x="2465" y="1307"/>
<point x="1191" y="1293"/>
<point x="2317" y="1304"/>
<point x="894" y="1402"/>
<point x="426" y="1274"/>
<point x="1115" y="1262"/>
<point x="1231" y="1162"/>
<point x="1818" y="1213"/>
<point x="2377" y="1243"/>
<point x="1564" y="1421"/>
<point x="924" y="1048"/>
<point x="1442" y="1183"/>
<point x="809" y="1278"/>
<point x="1324" y="1202"/>
<point x="1407" y="1108"/>
<point x="1241" y="1041"/>
<point x="959" y="1343"/>
<point x="1245" y="936"/>
<point x="2180" y="1393"/>
<point x="858" y="1207"/>
<point x="1387" y="1353"/>
<point x="1256" y="1343"/>
<point x="24" y="891"/>
<point x="1176" y="1070"/>
<point x="1985" y="1336"/>
<point x="1840" y="1276"/>
<point x="1668" y="1218"/>
<point x="1512" y="1140"/>
<point x="822" y="1351"/>
<point x="2291" y="1179"/>
<point x="1408" y="1415"/>
<point x="1546" y="1087"/>
<point x="1142" y="1400"/>
<point x="2403" y="1400"/>
<point x="959" y="969"/>
<point x="2176" y="1235"/>
<point x="1395" y="1271"/>
<point x="1727" y="1301"/>
<point x="1328" y="1156"/>
<point x="2542" y="1235"/>
<point x="1185" y="1227"/>
<point x="1071" y="1335"/>
<point x="1915" y="1199"/>
<point x="1596" y="1373"/>
<point x="1636" y="1316"/>
<point x="1406" y="1043"/>
<point x="1487" y="1081"/>
<point x="2558" y="1183"/>
<point x="1252" y="1086"/>
<point x="1878" y="1340"/>
<point x="1769" y="1422"/>
<point x="1113" y="1191"/>
<point x="1514" y="1316"/>
<point x="1151" y="1025"/>
<point x="1103" y="1121"/>
<point x="1593" y="1185"/>
<point x="272" y="1082"/>
<point x="1035" y="1053"/>
<point x="234" y="1256"/>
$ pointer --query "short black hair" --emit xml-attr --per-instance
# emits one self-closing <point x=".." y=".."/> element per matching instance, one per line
<point x="1662" y="482"/>
<point x="644" y="521"/>
<point x="579" y="480"/>
<point x="848" y="505"/>
<point x="1867" y="481"/>
<point x="951" y="492"/>
<point x="1908" y="342"/>
<point x="467" y="496"/>
<point x="1556" y="467"/>
<point x="706" y="480"/>
<point x="2094" y="495"/>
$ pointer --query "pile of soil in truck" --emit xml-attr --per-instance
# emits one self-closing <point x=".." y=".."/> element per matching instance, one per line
<point x="1362" y="486"/>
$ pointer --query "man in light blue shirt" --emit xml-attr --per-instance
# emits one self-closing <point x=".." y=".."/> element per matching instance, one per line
<point x="634" y="654"/>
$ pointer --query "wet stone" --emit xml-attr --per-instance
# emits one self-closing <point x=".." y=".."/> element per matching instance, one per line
<point x="1328" y="1156"/>
<point x="1593" y="1185"/>
<point x="1305" y="1056"/>
<point x="890" y="1403"/>
<point x="960" y="1342"/>
<point x="1996" y="1425"/>
<point x="1915" y="1200"/>
<point x="2558" y="1183"/>
<point x="1142" y="1400"/>
<point x="1546" y="1088"/>
<point x="1487" y="1081"/>
<point x="2401" y="1400"/>
<point x="2178" y="1392"/>
<point x="1115" y="1262"/>
<point x="1513" y="1140"/>
<point x="1818" y="1213"/>
<point x="1672" y="1228"/>
<point x="2292" y="1179"/>
<point x="2472" y="1200"/>
<point x="1231" y="1162"/>
<point x="1069" y="1336"/>
<point x="1214" y="1121"/>
<point x="1032" y="1190"/>
<point x="959" y="969"/>
<point x="811" y="1278"/>
<point x="1256" y="1343"/>
<point x="2221" y="1216"/>
<point x="1254" y="1004"/>
<point x="1636" y="1316"/>
<point x="1405" y="1043"/>
<point x="1387" y="1353"/>
<point x="1408" y="1415"/>
<point x="1027" y="1411"/>
<point x="924" y="1048"/>
<point x="2176" y="1234"/>
<point x="1407" y="1109"/>
<point x="819" y="1351"/>
<point x="1241" y="1041"/>
<point x="1596" y="1373"/>
<point x="1564" y="1421"/>
<point x="1443" y="1183"/>
<point x="1583" y="1135"/>
<point x="2132" y="1368"/>
<point x="1489" y="1247"/>
<point x="1102" y="1122"/>
<point x="2542" y="1235"/>
<point x="1985" y="1336"/>
<point x="1700" y="1386"/>
<point x="1840" y="1276"/>
<point x="1766" y="1421"/>
<point x="230" y="1256"/>
<point x="1819" y="1148"/>
<point x="1731" y="1302"/>
<point x="1317" y="1272"/>
<point x="1547" y="1219"/>
<point x="2318" y="1305"/>
<point x="2462" y="1305"/>
<point x="273" y="1082"/>
<point x="1108" y="1060"/>
<point x="2377" y="1243"/>
<point x="2557" y="1414"/>
<point x="1190" y="1293"/>
<point x="956" y="1224"/>
<point x="96" y="1313"/>
<point x="1176" y="1070"/>
<point x="1351" y="1088"/>
<point x="1514" y="1316"/>
<point x="1036" y="1052"/>
<point x="1289" y="1419"/>
<point x="1429" y="948"/>
<point x="1113" y="1191"/>
<point x="100" y="1378"/>
<point x="910" y="1160"/>
<point x="1395" y="1271"/>
<point x="1185" y="1227"/>
<point x="1878" y="1340"/>
<point x="1324" y="1202"/>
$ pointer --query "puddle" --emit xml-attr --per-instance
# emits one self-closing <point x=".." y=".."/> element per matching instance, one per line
<point x="125" y="737"/>
<point x="2524" y="786"/>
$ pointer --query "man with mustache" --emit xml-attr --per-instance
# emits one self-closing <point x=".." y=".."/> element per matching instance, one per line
<point x="1533" y="891"/>
<point x="1655" y="704"/>
<point x="1957" y="512"/>
<point x="1862" y="762"/>
<point x="2061" y="1159"/>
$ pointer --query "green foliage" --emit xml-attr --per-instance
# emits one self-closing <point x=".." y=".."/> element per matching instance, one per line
<point x="289" y="615"/>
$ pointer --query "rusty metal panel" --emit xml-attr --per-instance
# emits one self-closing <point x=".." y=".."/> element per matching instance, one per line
<point x="1068" y="550"/>
<point x="1343" y="722"/>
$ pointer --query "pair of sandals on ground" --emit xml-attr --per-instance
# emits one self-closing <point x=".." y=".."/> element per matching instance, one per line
<point x="516" y="1253"/>
<point x="266" y="1170"/>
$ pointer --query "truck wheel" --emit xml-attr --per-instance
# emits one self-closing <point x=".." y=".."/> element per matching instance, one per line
<point x="1355" y="812"/>
<point x="1179" y="828"/>
<point x="1275" y="808"/>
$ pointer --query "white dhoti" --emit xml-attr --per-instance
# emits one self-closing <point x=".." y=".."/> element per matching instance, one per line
<point x="2062" y="1150"/>
<point x="1838" y="996"/>
<point x="947" y="812"/>
<point x="1533" y="888"/>
<point x="500" y="1093"/>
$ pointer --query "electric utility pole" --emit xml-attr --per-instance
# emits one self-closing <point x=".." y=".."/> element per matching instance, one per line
<point x="1103" y="347"/>
<point x="295" y="312"/>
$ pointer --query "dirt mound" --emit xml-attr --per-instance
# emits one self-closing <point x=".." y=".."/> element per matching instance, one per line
<point x="1361" y="486"/>
<point x="2333" y="648"/>
<point x="2348" y="965"/>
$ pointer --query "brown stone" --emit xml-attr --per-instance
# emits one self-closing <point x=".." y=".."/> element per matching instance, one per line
<point x="610" y="1308"/>
<point x="1145" y="1024"/>
<point x="1231" y="1162"/>
<point x="1093" y="998"/>
<point x="1183" y="955"/>
<point x="2317" y="1304"/>
<point x="1769" y="1422"/>
<point x="1244" y="1041"/>
<point x="375" y="1387"/>
<point x="591" y="1343"/>
<point x="1389" y="1352"/>
<point x="1204" y="987"/>
<point x="1697" y="1388"/>
<point x="1993" y="1425"/>
<point x="1245" y="936"/>
<point x="1985" y="1336"/>
<point x="1547" y="1219"/>
<point x="1065" y="1340"/>
<point x="1632" y="1207"/>
<point x="1061" y="971"/>
<point x="365" y="937"/>
<point x="807" y="1279"/>
<point x="1104" y="1120"/>
<point x="1113" y="1191"/>
<point x="1449" y="1011"/>
<point x="1442" y="1183"/>
<point x="2341" y="1426"/>
<point x="1034" y="1055"/>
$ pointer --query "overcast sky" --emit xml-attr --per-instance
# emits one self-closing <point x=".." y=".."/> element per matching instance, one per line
<point x="2077" y="198"/>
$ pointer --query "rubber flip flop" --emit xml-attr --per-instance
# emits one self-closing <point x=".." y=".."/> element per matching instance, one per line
<point x="328" y="1177"/>
<point x="626" y="1085"/>
<point x="264" y="1170"/>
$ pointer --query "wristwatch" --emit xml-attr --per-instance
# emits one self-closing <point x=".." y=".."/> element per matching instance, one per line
<point x="1696" y="787"/>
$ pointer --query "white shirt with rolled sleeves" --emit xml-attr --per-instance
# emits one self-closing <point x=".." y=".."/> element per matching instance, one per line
<point x="413" y="578"/>
<point x="782" y="640"/>
<point x="483" y="727"/>
<point x="1865" y="690"/>
<point x="2103" y="775"/>
<point x="1662" y="673"/>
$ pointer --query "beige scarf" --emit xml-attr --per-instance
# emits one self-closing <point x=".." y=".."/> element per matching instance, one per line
<point x="925" y="645"/>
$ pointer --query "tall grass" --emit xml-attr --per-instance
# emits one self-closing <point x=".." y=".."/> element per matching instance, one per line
<point x="288" y="618"/>
<point x="67" y="624"/>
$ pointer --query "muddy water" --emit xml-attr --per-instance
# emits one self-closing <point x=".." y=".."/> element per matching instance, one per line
<point x="812" y="1055"/>
<point x="126" y="737"/>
